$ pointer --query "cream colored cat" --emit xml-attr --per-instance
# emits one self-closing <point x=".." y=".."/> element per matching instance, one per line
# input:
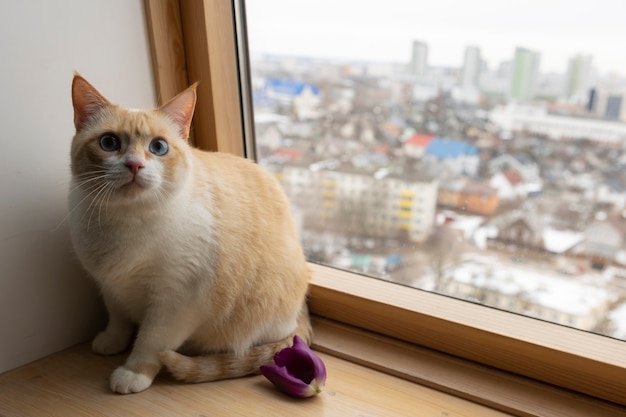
<point x="197" y="249"/>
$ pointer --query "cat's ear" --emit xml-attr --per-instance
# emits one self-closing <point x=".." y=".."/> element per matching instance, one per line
<point x="180" y="110"/>
<point x="87" y="101"/>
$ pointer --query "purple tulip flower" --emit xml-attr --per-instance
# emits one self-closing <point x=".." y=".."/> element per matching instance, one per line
<point x="297" y="371"/>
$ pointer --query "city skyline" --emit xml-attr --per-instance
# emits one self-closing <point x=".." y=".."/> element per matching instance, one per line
<point x="512" y="207"/>
<point x="556" y="30"/>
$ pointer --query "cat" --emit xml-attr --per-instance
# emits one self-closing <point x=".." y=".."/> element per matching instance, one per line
<point x="196" y="249"/>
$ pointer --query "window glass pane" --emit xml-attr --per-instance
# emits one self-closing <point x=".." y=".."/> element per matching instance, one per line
<point x="474" y="149"/>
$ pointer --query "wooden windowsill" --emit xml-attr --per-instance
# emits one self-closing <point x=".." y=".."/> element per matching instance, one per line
<point x="578" y="361"/>
<point x="75" y="383"/>
<point x="368" y="374"/>
<point x="494" y="388"/>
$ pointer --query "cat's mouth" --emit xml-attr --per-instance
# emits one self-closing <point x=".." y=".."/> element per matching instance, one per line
<point x="134" y="183"/>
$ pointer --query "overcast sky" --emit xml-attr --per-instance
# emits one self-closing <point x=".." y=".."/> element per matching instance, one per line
<point x="384" y="30"/>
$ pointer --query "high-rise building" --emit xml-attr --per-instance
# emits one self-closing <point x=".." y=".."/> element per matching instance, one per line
<point x="525" y="74"/>
<point x="578" y="82"/>
<point x="608" y="101"/>
<point x="472" y="65"/>
<point x="419" y="59"/>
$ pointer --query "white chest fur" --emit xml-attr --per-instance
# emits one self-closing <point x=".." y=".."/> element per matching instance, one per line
<point x="134" y="255"/>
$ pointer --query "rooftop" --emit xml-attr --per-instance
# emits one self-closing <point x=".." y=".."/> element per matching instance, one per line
<point x="542" y="287"/>
<point x="449" y="148"/>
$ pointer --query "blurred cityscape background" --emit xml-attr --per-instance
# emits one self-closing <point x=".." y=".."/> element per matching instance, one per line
<point x="500" y="185"/>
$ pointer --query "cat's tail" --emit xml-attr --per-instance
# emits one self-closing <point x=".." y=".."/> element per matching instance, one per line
<point x="213" y="367"/>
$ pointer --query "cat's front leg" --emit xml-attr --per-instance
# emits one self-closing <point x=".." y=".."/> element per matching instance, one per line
<point x="161" y="330"/>
<point x="116" y="337"/>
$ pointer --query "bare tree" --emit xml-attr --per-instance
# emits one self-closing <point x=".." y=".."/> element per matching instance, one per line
<point x="444" y="252"/>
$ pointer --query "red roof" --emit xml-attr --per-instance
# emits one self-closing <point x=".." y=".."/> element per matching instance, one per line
<point x="292" y="154"/>
<point x="383" y="149"/>
<point x="513" y="176"/>
<point x="420" y="139"/>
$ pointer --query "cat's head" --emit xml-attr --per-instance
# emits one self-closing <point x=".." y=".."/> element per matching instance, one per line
<point x="122" y="156"/>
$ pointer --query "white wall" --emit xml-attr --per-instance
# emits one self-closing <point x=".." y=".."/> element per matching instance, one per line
<point x="46" y="301"/>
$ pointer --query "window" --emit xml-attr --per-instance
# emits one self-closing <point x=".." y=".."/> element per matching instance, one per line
<point x="580" y="361"/>
<point x="461" y="172"/>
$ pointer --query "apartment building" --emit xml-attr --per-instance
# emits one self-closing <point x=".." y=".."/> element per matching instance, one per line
<point x="375" y="204"/>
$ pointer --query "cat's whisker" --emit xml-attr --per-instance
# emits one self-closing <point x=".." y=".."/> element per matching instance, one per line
<point x="163" y="198"/>
<point x="160" y="198"/>
<point x="55" y="228"/>
<point x="89" y="180"/>
<point x="105" y="202"/>
<point x="91" y="177"/>
<point x="106" y="199"/>
<point x="90" y="209"/>
<point x="88" y="173"/>
<point x="98" y="170"/>
<point x="90" y="190"/>
<point x="106" y="209"/>
<point x="99" y="198"/>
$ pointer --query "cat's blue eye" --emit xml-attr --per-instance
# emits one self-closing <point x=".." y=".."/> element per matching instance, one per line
<point x="158" y="146"/>
<point x="110" y="143"/>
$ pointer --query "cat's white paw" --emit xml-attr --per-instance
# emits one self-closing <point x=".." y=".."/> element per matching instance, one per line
<point x="109" y="343"/>
<point x="125" y="381"/>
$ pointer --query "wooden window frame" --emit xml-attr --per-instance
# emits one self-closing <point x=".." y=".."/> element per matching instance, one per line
<point x="195" y="40"/>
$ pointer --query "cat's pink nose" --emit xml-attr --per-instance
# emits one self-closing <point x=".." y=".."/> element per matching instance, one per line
<point x="134" y="166"/>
